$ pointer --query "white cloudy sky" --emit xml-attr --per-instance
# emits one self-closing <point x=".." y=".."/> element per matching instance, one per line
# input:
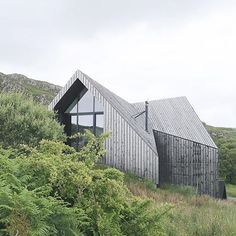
<point x="140" y="49"/>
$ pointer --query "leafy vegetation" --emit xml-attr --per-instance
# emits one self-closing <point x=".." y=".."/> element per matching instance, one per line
<point x="53" y="190"/>
<point x="225" y="139"/>
<point x="23" y="121"/>
<point x="47" y="188"/>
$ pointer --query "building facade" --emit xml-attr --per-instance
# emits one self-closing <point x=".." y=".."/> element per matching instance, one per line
<point x="162" y="140"/>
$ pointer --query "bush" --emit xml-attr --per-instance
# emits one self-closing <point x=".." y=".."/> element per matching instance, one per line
<point x="23" y="121"/>
<point x="53" y="190"/>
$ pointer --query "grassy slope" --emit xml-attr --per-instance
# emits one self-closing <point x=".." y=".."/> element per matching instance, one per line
<point x="221" y="132"/>
<point x="190" y="214"/>
<point x="41" y="91"/>
<point x="231" y="190"/>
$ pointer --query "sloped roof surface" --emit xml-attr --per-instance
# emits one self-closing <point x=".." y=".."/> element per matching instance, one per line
<point x="177" y="117"/>
<point x="126" y="110"/>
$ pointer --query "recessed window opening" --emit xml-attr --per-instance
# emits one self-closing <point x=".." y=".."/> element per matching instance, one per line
<point x="87" y="113"/>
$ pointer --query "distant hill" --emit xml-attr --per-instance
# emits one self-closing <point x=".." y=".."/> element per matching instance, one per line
<point x="225" y="139"/>
<point x="221" y="132"/>
<point x="41" y="91"/>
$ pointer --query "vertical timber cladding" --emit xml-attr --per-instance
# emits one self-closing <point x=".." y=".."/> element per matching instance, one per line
<point x="186" y="162"/>
<point x="125" y="149"/>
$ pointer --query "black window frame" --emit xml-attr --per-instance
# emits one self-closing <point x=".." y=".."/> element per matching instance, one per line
<point x="94" y="113"/>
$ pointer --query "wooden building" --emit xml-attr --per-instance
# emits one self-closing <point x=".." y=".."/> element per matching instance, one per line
<point x="163" y="140"/>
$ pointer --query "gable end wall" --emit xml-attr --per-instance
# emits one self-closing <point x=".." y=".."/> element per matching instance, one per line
<point x="126" y="150"/>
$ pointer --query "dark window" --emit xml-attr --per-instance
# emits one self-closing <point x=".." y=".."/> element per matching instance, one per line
<point x="85" y="122"/>
<point x="86" y="103"/>
<point x="86" y="114"/>
<point x="99" y="124"/>
<point x="74" y="130"/>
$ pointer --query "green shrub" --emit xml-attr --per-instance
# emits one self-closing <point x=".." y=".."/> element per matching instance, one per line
<point x="51" y="189"/>
<point x="23" y="121"/>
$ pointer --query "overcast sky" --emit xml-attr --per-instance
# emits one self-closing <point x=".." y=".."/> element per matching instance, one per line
<point x="139" y="49"/>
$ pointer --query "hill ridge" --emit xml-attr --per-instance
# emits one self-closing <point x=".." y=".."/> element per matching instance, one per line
<point x="41" y="91"/>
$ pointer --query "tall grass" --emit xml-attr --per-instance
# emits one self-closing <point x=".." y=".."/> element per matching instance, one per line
<point x="191" y="214"/>
<point x="231" y="190"/>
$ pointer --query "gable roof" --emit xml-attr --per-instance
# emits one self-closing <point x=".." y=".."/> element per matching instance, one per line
<point x="126" y="110"/>
<point x="177" y="117"/>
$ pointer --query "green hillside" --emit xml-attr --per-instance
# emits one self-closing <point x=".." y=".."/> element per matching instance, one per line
<point x="221" y="132"/>
<point x="41" y="91"/>
<point x="225" y="139"/>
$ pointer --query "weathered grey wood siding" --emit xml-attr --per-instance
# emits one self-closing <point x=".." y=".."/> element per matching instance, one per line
<point x="128" y="148"/>
<point x="185" y="162"/>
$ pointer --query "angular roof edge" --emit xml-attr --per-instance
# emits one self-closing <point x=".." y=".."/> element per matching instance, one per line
<point x="177" y="117"/>
<point x="125" y="109"/>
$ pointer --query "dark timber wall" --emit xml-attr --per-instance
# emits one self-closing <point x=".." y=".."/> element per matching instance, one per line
<point x="185" y="162"/>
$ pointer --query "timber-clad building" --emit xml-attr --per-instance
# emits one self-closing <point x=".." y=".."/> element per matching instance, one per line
<point x="163" y="140"/>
